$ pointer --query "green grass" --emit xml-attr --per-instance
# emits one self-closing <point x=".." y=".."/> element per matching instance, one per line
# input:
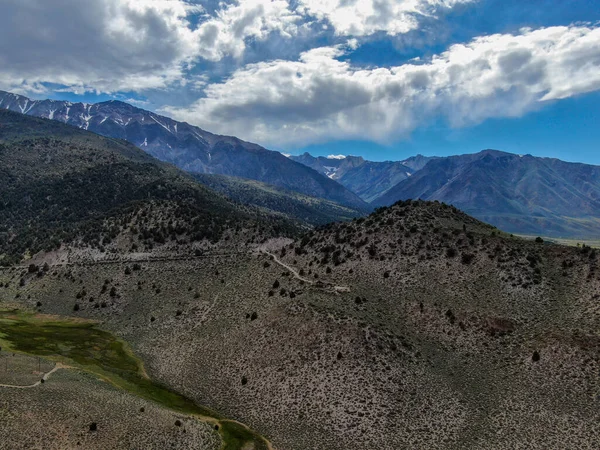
<point x="82" y="345"/>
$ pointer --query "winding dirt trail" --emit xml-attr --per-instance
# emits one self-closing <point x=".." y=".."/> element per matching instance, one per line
<point x="291" y="269"/>
<point x="47" y="375"/>
<point x="335" y="289"/>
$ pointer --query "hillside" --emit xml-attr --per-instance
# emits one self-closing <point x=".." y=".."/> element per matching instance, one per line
<point x="188" y="147"/>
<point x="519" y="194"/>
<point x="294" y="206"/>
<point x="62" y="184"/>
<point x="416" y="327"/>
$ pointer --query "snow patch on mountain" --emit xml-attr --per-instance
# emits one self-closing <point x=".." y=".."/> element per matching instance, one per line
<point x="330" y="171"/>
<point x="86" y="120"/>
<point x="160" y="123"/>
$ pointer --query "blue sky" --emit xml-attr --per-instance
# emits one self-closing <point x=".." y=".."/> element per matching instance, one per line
<point x="568" y="130"/>
<point x="382" y="79"/>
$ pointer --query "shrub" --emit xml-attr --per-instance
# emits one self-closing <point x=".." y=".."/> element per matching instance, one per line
<point x="467" y="258"/>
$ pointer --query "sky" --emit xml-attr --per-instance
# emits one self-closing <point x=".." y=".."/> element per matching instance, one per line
<point x="383" y="79"/>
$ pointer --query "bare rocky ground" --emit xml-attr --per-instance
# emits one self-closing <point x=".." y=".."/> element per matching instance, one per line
<point x="450" y="335"/>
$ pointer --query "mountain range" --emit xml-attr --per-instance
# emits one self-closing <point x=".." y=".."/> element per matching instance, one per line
<point x="368" y="179"/>
<point x="517" y="193"/>
<point x="188" y="147"/>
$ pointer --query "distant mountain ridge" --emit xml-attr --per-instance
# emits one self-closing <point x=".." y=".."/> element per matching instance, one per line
<point x="368" y="179"/>
<point x="188" y="147"/>
<point x="517" y="193"/>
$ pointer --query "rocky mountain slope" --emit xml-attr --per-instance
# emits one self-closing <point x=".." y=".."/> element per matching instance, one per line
<point x="520" y="194"/>
<point x="368" y="179"/>
<point x="62" y="184"/>
<point x="188" y="147"/>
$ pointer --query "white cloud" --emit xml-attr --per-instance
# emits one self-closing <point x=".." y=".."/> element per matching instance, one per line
<point x="319" y="98"/>
<point x="225" y="34"/>
<point x="365" y="17"/>
<point x="105" y="45"/>
<point x="124" y="45"/>
<point x="336" y="157"/>
<point x="136" y="45"/>
<point x="137" y="102"/>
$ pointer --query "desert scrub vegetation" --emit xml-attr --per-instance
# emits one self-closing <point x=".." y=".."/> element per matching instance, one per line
<point x="426" y="353"/>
